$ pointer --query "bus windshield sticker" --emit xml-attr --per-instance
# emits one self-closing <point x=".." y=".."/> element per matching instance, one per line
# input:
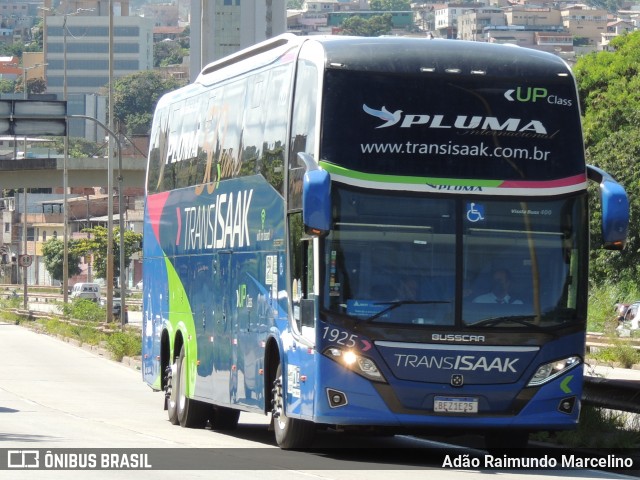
<point x="475" y="212"/>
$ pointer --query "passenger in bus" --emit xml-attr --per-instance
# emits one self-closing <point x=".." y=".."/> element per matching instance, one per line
<point x="500" y="289"/>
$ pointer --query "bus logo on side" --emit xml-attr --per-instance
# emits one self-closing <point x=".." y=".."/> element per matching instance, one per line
<point x="461" y="122"/>
<point x="533" y="94"/>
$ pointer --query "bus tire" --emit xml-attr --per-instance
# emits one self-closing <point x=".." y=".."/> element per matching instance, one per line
<point x="224" y="418"/>
<point x="191" y="413"/>
<point x="171" y="398"/>
<point x="291" y="433"/>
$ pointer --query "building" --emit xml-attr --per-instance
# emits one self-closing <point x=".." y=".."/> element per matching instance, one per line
<point x="586" y="24"/>
<point x="163" y="14"/>
<point x="446" y="18"/>
<point x="618" y="27"/>
<point x="232" y="25"/>
<point x="538" y="17"/>
<point x="10" y="68"/>
<point x="471" y="23"/>
<point x="87" y="50"/>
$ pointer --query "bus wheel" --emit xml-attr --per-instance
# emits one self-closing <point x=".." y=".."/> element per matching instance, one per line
<point x="224" y="418"/>
<point x="290" y="432"/>
<point x="190" y="413"/>
<point x="171" y="391"/>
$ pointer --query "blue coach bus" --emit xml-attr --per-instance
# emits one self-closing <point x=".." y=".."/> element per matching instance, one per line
<point x="372" y="233"/>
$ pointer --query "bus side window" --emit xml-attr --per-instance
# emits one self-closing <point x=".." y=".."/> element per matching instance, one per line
<point x="303" y="127"/>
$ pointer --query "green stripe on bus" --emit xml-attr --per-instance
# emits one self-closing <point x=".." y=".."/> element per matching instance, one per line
<point x="181" y="318"/>
<point x="374" y="177"/>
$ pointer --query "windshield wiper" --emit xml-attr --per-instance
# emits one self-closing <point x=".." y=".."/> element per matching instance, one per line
<point x="395" y="304"/>
<point x="519" y="319"/>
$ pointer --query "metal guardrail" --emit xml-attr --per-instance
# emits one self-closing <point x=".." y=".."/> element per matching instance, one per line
<point x="614" y="394"/>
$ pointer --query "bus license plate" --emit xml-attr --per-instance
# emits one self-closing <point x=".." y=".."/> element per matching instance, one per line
<point x="455" y="405"/>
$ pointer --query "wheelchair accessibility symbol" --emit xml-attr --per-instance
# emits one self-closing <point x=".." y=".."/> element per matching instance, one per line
<point x="475" y="212"/>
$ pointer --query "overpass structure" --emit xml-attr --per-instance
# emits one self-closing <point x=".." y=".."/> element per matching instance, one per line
<point x="81" y="172"/>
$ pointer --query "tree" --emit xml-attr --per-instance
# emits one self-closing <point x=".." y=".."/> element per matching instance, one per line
<point x="609" y="88"/>
<point x="96" y="244"/>
<point x="11" y="49"/>
<point x="390" y="5"/>
<point x="79" y="147"/>
<point x="168" y="53"/>
<point x="372" y="27"/>
<point x="34" y="85"/>
<point x="138" y="94"/>
<point x="7" y="86"/>
<point x="53" y="255"/>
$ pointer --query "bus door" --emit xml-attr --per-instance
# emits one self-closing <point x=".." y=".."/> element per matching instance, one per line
<point x="250" y="322"/>
<point x="201" y="298"/>
<point x="224" y="340"/>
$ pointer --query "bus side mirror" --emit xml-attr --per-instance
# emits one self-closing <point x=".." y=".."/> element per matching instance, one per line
<point x="316" y="198"/>
<point x="615" y="209"/>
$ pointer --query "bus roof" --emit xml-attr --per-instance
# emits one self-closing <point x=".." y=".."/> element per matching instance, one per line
<point x="454" y="57"/>
<point x="400" y="55"/>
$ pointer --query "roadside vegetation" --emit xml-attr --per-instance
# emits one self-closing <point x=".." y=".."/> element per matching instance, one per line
<point x="81" y="321"/>
<point x="614" y="430"/>
<point x="602" y="319"/>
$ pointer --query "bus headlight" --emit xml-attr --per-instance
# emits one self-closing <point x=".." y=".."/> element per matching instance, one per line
<point x="359" y="364"/>
<point x="551" y="370"/>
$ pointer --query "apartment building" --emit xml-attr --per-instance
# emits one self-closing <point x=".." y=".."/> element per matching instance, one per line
<point x="586" y="24"/>
<point x="84" y="43"/>
<point x="446" y="17"/>
<point x="223" y="27"/>
<point x="472" y="23"/>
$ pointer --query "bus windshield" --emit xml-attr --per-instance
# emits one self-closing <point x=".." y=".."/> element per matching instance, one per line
<point x="412" y="260"/>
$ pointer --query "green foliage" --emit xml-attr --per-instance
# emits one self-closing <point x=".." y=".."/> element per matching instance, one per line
<point x="620" y="352"/>
<point x="34" y="85"/>
<point x="602" y="300"/>
<point x="371" y="27"/>
<point x="97" y="244"/>
<point x="612" y="428"/>
<point x="79" y="147"/>
<point x="390" y="5"/>
<point x="137" y="94"/>
<point x="124" y="344"/>
<point x="11" y="49"/>
<point x="138" y="123"/>
<point x="7" y="86"/>
<point x="53" y="255"/>
<point x="168" y="53"/>
<point x="609" y="87"/>
<point x="83" y="333"/>
<point x="83" y="309"/>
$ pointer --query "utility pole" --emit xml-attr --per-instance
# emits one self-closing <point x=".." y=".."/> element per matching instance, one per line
<point x="109" y="278"/>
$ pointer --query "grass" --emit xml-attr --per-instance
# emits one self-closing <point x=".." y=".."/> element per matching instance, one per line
<point x="598" y="428"/>
<point x="619" y="352"/>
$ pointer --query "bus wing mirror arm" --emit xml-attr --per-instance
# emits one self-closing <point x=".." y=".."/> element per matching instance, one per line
<point x="316" y="197"/>
<point x="615" y="209"/>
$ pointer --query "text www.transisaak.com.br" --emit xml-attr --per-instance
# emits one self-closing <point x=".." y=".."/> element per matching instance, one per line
<point x="453" y="149"/>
